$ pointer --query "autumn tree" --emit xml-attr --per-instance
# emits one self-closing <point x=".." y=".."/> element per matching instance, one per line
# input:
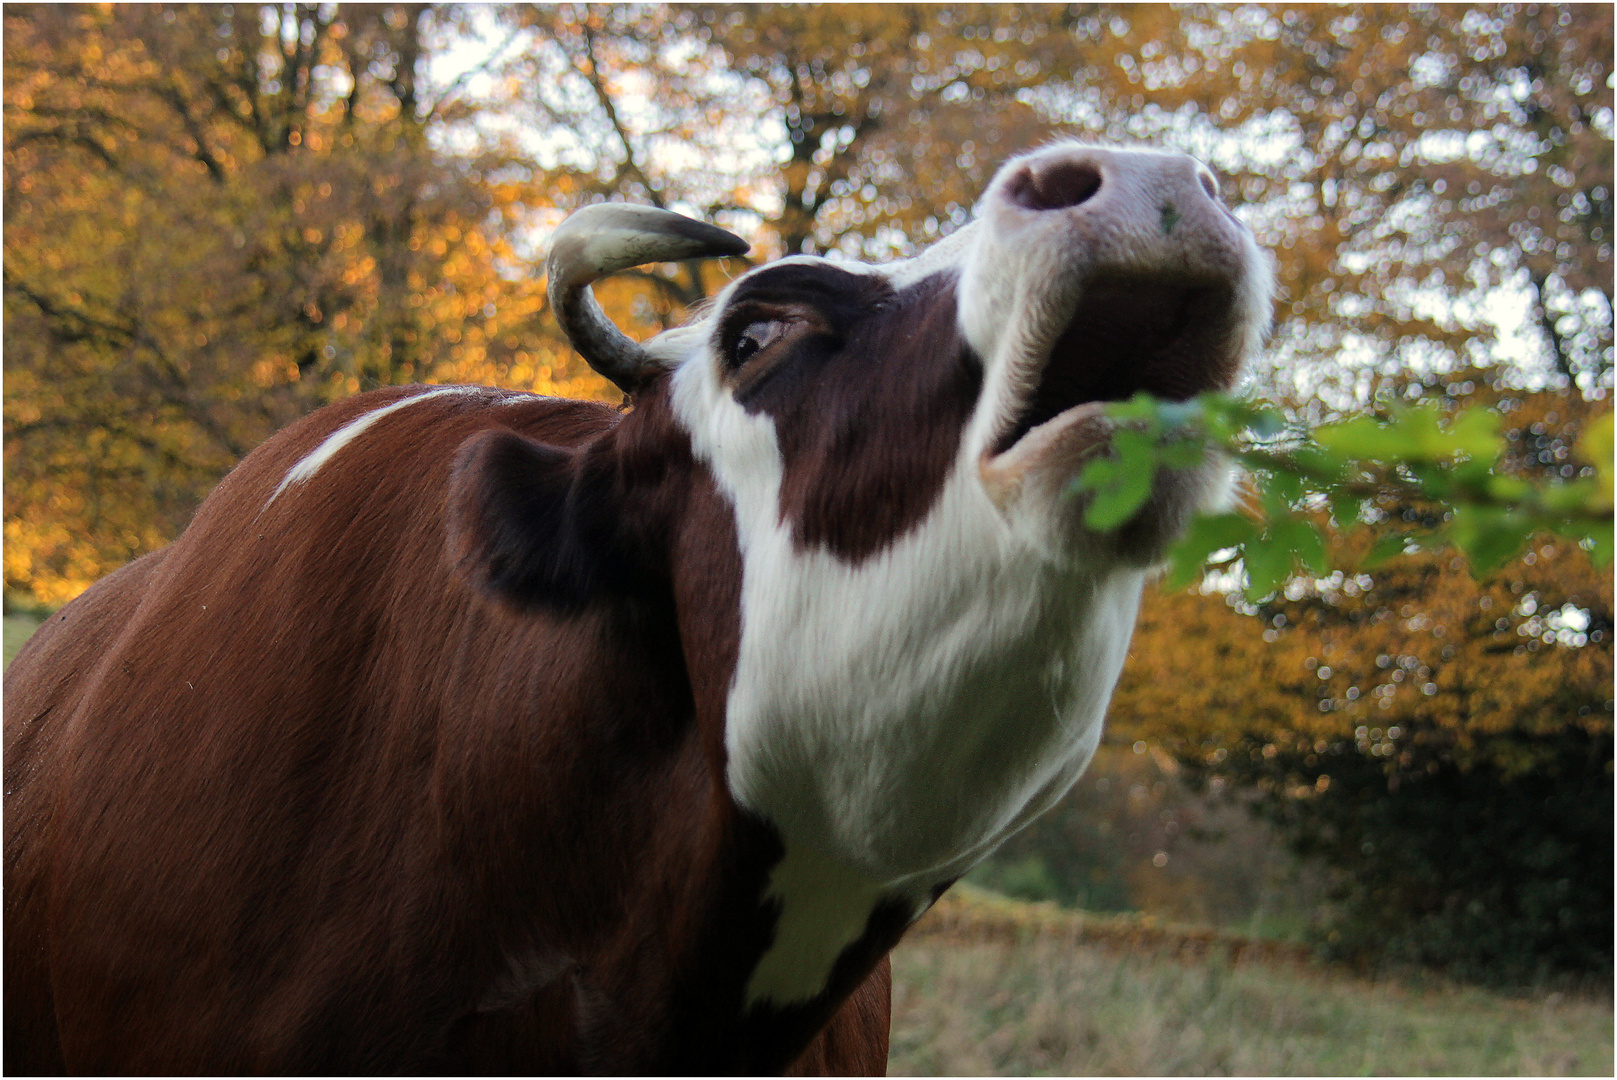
<point x="231" y="215"/>
<point x="1545" y="71"/>
<point x="862" y="130"/>
<point x="1403" y="164"/>
<point x="217" y="219"/>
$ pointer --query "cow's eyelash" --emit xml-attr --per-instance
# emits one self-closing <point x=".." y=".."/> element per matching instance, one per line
<point x="757" y="336"/>
<point x="762" y="326"/>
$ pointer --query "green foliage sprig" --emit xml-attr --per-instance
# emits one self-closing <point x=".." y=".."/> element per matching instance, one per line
<point x="1420" y="476"/>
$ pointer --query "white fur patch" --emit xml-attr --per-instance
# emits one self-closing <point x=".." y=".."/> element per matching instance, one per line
<point x="902" y="714"/>
<point x="905" y="715"/>
<point x="824" y="909"/>
<point x="317" y="458"/>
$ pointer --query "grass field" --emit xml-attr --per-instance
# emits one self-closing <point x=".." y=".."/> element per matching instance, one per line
<point x="999" y="993"/>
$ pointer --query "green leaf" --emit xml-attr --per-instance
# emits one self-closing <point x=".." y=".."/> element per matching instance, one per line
<point x="1207" y="533"/>
<point x="1321" y="465"/>
<point x="1412" y="435"/>
<point x="1182" y="453"/>
<point x="1596" y="445"/>
<point x="1473" y="476"/>
<point x="1416" y="433"/>
<point x="1596" y="448"/>
<point x="1302" y="540"/>
<point x="1267" y="565"/>
<point x="1098" y="473"/>
<point x="1141" y="407"/>
<point x="1120" y="484"/>
<point x="1221" y="418"/>
<point x="1489" y="536"/>
<point x="1345" y="509"/>
<point x="1434" y="480"/>
<point x="1280" y="491"/>
<point x="1224" y="417"/>
<point x="1358" y="437"/>
<point x="1387" y="546"/>
<point x="1134" y="449"/>
<point x="1572" y="496"/>
<point x="1475" y="432"/>
<point x="1503" y="487"/>
<point x="1117" y="502"/>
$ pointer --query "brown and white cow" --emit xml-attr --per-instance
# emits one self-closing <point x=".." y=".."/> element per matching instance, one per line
<point x="466" y="729"/>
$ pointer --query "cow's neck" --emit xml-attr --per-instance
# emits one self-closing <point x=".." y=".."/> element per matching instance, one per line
<point x="896" y="722"/>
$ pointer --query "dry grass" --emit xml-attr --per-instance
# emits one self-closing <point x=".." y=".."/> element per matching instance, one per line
<point x="983" y="992"/>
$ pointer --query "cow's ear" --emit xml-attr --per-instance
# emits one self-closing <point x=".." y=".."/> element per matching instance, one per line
<point x="535" y="524"/>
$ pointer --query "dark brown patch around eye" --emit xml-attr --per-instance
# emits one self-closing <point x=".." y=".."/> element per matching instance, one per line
<point x="868" y="411"/>
<point x="756" y="336"/>
<point x="817" y="307"/>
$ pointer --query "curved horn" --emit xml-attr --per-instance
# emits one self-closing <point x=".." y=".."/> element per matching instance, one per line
<point x="603" y="239"/>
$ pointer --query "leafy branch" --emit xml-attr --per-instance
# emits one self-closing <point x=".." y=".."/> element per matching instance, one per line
<point x="1442" y="476"/>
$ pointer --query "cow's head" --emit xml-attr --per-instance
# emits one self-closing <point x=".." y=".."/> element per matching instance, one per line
<point x="894" y="445"/>
<point x="1088" y="274"/>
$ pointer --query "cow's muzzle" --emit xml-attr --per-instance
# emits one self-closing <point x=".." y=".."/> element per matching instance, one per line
<point x="1135" y="277"/>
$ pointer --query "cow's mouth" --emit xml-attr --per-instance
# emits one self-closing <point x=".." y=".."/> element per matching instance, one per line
<point x="1172" y="340"/>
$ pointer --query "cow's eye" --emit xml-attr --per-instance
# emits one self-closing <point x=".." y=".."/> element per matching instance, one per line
<point x="756" y="336"/>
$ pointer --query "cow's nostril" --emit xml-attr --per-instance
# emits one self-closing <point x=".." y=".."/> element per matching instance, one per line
<point x="1056" y="186"/>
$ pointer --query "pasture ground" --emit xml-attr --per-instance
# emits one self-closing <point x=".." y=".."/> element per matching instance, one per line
<point x="18" y="629"/>
<point x="992" y="987"/>
<point x="989" y="987"/>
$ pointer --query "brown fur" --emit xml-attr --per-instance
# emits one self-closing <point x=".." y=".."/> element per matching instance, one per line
<point x="312" y="790"/>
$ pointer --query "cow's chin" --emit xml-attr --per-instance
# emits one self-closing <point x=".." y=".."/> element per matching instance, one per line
<point x="1173" y="340"/>
<point x="1032" y="485"/>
